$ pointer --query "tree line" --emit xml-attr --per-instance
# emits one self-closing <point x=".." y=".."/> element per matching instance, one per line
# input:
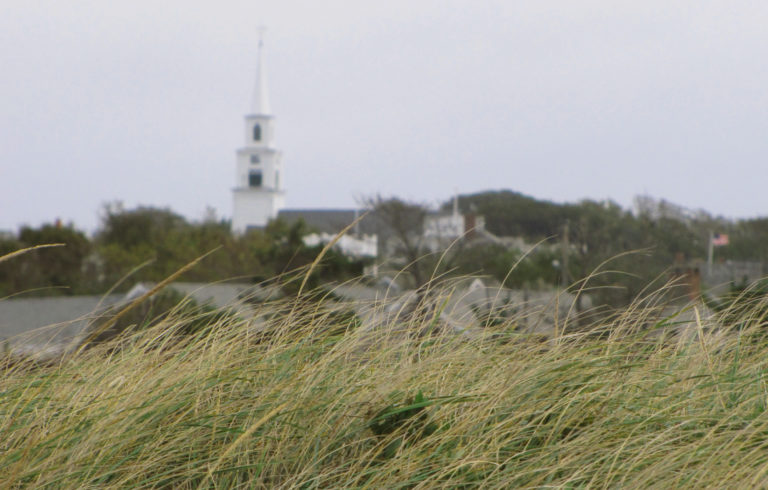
<point x="628" y="250"/>
<point x="149" y="244"/>
<point x="620" y="251"/>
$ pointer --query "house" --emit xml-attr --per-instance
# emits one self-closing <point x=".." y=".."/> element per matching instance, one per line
<point x="442" y="229"/>
<point x="372" y="236"/>
<point x="325" y="224"/>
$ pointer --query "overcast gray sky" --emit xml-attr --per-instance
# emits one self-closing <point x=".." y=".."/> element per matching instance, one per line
<point x="143" y="101"/>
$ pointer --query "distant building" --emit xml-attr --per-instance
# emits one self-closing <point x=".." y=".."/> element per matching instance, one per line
<point x="362" y="240"/>
<point x="331" y="220"/>
<point x="441" y="229"/>
<point x="656" y="209"/>
<point x="372" y="236"/>
<point x="353" y="246"/>
<point x="46" y="328"/>
<point x="258" y="194"/>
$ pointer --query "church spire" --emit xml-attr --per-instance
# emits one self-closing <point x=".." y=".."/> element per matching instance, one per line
<point x="261" y="96"/>
<point x="258" y="194"/>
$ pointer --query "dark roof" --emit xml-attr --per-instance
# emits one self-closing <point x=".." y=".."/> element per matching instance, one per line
<point x="330" y="220"/>
<point x="52" y="320"/>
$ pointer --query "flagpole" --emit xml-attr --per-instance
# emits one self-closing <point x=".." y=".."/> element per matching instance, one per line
<point x="710" y="253"/>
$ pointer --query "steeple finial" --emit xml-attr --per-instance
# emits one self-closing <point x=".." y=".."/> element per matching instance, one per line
<point x="261" y="96"/>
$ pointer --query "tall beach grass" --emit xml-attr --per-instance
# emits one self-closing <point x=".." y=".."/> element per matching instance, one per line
<point x="311" y="399"/>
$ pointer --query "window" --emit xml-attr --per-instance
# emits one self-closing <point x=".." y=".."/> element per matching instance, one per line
<point x="277" y="179"/>
<point x="255" y="159"/>
<point x="254" y="179"/>
<point x="256" y="132"/>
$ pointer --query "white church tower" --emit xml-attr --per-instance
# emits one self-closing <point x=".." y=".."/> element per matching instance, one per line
<point x="258" y="194"/>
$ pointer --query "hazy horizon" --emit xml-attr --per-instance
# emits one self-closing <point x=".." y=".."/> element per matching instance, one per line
<point x="143" y="103"/>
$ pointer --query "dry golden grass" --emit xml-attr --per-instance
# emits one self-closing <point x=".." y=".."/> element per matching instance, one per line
<point x="318" y="404"/>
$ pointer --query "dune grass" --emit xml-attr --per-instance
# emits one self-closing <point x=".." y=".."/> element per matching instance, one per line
<point x="309" y="402"/>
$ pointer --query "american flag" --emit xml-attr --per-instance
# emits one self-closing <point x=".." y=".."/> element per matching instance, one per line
<point x="719" y="239"/>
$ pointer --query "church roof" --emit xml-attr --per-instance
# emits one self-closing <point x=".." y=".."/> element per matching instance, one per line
<point x="330" y="220"/>
<point x="46" y="326"/>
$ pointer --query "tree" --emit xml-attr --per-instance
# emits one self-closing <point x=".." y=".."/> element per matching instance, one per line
<point x="510" y="266"/>
<point x="62" y="267"/>
<point x="509" y="213"/>
<point x="603" y="231"/>
<point x="286" y="252"/>
<point x="138" y="226"/>
<point x="128" y="238"/>
<point x="404" y="223"/>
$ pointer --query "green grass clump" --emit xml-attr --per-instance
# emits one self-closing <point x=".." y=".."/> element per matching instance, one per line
<point x="314" y="400"/>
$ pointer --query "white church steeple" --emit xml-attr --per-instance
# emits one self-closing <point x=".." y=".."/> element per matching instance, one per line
<point x="260" y="103"/>
<point x="258" y="194"/>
